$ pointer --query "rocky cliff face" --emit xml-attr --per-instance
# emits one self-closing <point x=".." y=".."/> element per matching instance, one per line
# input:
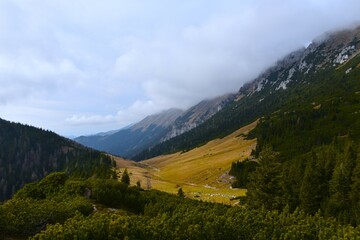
<point x="197" y="114"/>
<point x="163" y="119"/>
<point x="329" y="50"/>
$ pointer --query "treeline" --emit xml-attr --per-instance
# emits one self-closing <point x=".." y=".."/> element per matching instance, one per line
<point x="59" y="207"/>
<point x="28" y="154"/>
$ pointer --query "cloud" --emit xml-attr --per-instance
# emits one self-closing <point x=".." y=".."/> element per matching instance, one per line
<point x="109" y="63"/>
<point x="94" y="119"/>
<point x="133" y="113"/>
<point x="224" y="52"/>
<point x="24" y="75"/>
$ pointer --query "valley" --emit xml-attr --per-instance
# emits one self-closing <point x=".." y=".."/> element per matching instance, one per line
<point x="202" y="173"/>
<point x="290" y="139"/>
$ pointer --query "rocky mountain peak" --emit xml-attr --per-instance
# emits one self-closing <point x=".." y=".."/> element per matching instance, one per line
<point x="163" y="119"/>
<point x="197" y="114"/>
<point x="328" y="50"/>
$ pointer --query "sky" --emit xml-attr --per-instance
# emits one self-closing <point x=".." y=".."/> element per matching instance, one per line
<point x="87" y="66"/>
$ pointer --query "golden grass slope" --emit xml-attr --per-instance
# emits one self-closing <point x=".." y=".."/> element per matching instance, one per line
<point x="202" y="172"/>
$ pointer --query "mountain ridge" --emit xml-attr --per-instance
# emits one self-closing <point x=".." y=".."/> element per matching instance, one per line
<point x="155" y="128"/>
<point x="270" y="90"/>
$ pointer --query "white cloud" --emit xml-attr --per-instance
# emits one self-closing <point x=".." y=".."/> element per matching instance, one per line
<point x="94" y="119"/>
<point x="133" y="113"/>
<point x="27" y="75"/>
<point x="109" y="63"/>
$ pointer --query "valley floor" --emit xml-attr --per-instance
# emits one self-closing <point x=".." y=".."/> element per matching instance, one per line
<point x="202" y="173"/>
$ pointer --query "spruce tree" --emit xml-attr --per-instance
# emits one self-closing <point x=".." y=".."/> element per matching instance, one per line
<point x="340" y="185"/>
<point x="310" y="192"/>
<point x="125" y="177"/>
<point x="355" y="192"/>
<point x="181" y="193"/>
<point x="266" y="184"/>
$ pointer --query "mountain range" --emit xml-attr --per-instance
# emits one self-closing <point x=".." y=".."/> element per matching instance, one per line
<point x="154" y="129"/>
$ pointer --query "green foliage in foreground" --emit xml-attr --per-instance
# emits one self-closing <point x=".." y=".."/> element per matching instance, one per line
<point x="67" y="214"/>
<point x="57" y="198"/>
<point x="172" y="218"/>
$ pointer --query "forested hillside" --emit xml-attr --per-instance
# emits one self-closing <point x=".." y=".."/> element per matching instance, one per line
<point x="28" y="154"/>
<point x="317" y="146"/>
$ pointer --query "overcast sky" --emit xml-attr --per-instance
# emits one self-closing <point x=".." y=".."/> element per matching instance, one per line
<point x="84" y="66"/>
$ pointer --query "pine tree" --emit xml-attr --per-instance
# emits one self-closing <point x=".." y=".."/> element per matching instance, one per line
<point x="125" y="177"/>
<point x="266" y="185"/>
<point x="310" y="194"/>
<point x="181" y="193"/>
<point x="340" y="184"/>
<point x="355" y="192"/>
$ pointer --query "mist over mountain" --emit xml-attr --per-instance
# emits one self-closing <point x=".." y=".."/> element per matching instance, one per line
<point x="294" y="76"/>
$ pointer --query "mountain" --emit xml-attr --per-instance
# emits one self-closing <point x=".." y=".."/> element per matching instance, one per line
<point x="155" y="129"/>
<point x="307" y="155"/>
<point x="28" y="154"/>
<point x="131" y="140"/>
<point x="197" y="114"/>
<point x="296" y="79"/>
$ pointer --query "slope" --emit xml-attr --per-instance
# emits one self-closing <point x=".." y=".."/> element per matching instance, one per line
<point x="28" y="154"/>
<point x="202" y="173"/>
<point x="316" y="140"/>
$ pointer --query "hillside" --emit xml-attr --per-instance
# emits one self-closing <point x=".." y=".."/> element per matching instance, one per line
<point x="299" y="78"/>
<point x="202" y="173"/>
<point x="28" y="154"/>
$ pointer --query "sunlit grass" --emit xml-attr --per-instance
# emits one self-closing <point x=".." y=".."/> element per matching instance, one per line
<point x="202" y="172"/>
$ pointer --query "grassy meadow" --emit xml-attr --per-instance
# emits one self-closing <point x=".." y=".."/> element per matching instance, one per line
<point x="202" y="173"/>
